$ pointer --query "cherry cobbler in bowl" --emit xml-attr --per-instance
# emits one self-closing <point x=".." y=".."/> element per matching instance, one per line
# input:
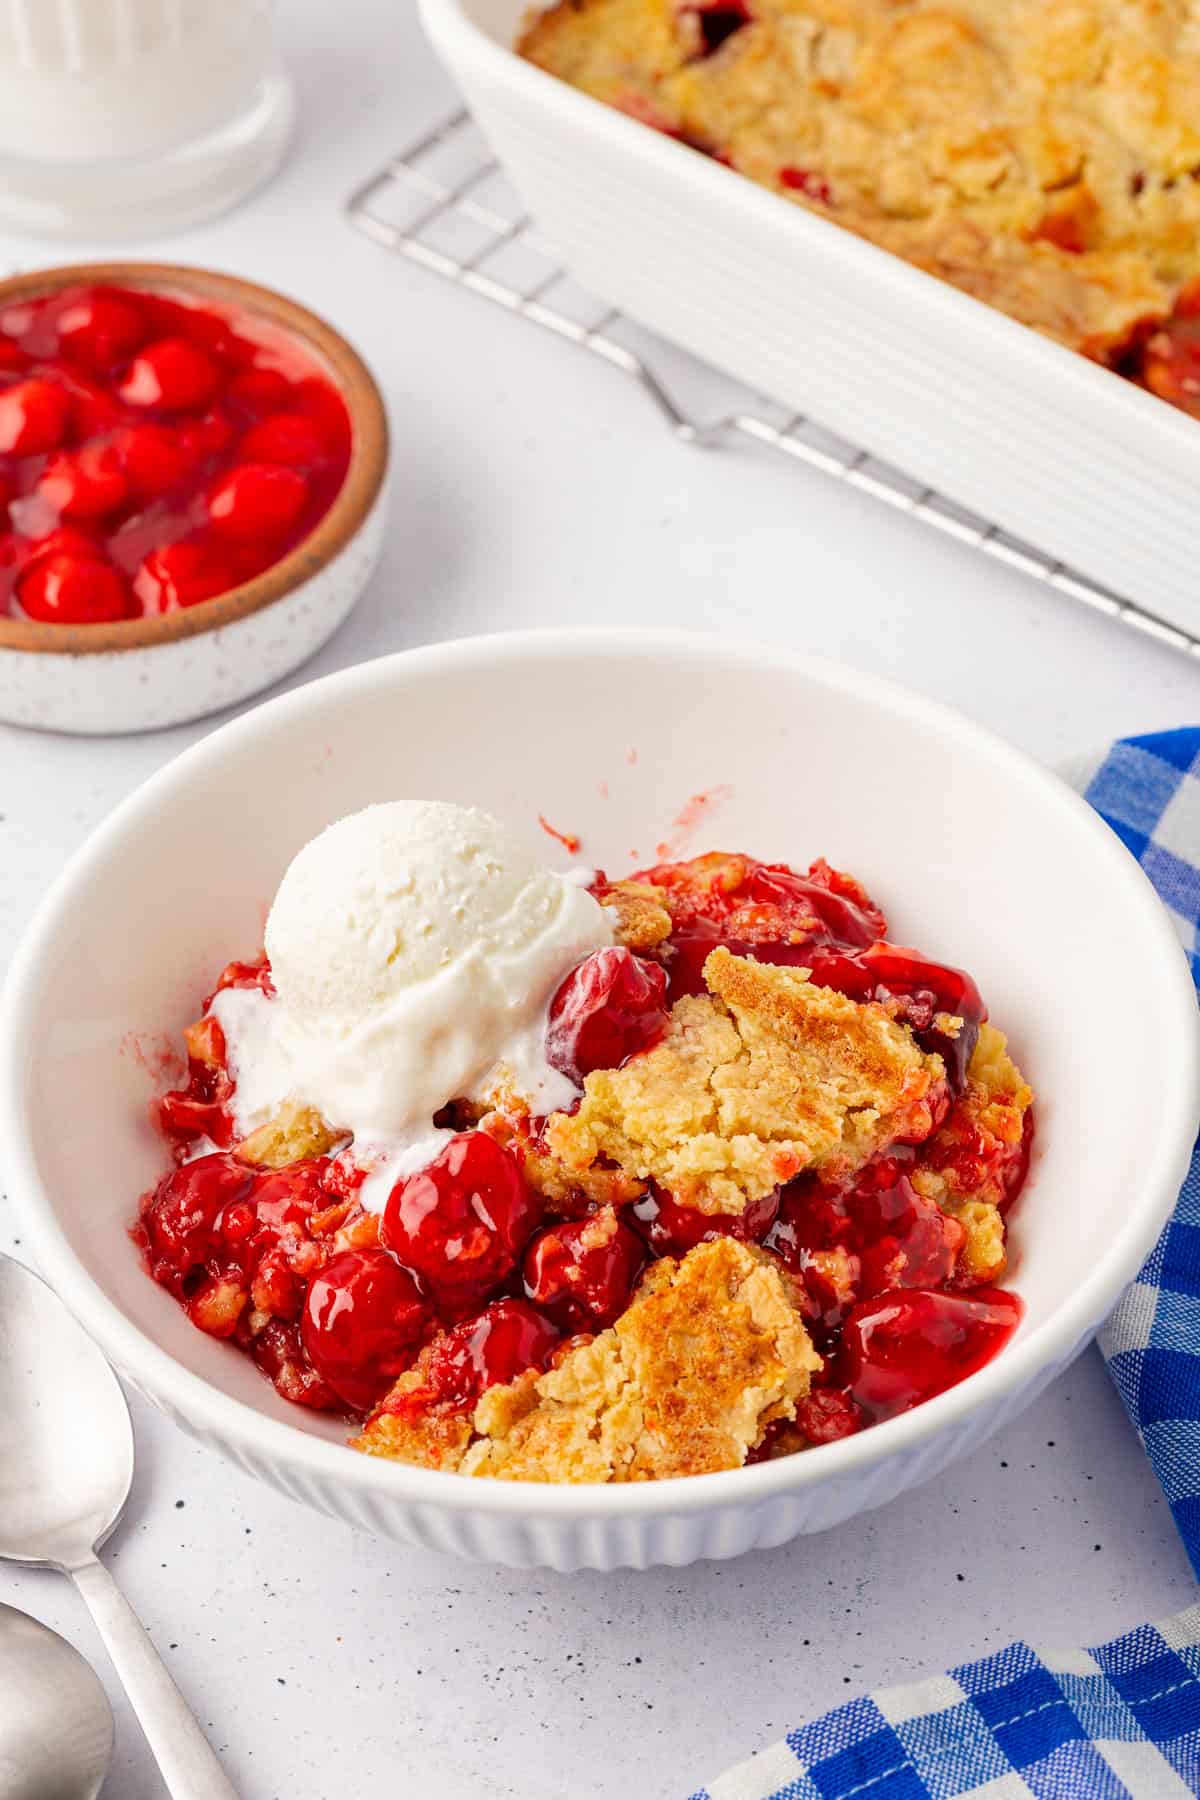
<point x="721" y="1172"/>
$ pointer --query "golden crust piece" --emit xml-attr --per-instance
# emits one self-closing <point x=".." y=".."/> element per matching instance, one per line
<point x="965" y="1163"/>
<point x="765" y="1076"/>
<point x="709" y="1353"/>
<point x="295" y="1134"/>
<point x="435" y="1437"/>
<point x="1040" y="156"/>
<point x="641" y="918"/>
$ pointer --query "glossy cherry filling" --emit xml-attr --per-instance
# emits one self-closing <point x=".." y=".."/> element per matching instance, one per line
<point x="508" y="1337"/>
<point x="462" y="1222"/>
<point x="201" y="1108"/>
<point x="906" y="1345"/>
<point x="466" y="1277"/>
<point x="154" y="453"/>
<point x="583" y="1271"/>
<point x="672" y="1230"/>
<point x="1167" y="359"/>
<point x="364" y="1317"/>
<point x="607" y="1009"/>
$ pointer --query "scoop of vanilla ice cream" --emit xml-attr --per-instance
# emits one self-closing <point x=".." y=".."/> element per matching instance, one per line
<point x="414" y="948"/>
<point x="393" y="896"/>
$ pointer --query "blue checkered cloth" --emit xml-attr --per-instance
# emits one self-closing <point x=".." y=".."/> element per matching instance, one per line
<point x="1121" y="1721"/>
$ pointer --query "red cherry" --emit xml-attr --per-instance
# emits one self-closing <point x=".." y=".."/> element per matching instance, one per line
<point x="905" y="1346"/>
<point x="288" y="438"/>
<point x="810" y="1218"/>
<point x="12" y="357"/>
<point x="243" y="975"/>
<point x="583" y="1272"/>
<point x="205" y="437"/>
<point x="673" y="1230"/>
<point x="181" y="1218"/>
<point x="827" y="1414"/>
<point x="462" y="1222"/>
<point x="71" y="590"/>
<point x="170" y="373"/>
<point x="179" y="575"/>
<point x="286" y="1197"/>
<point x="34" y="415"/>
<point x="840" y="905"/>
<point x="608" y="1008"/>
<point x="152" y="458"/>
<point x="507" y="1338"/>
<point x="910" y="1242"/>
<point x="94" y="412"/>
<point x="66" y="540"/>
<point x="100" y="328"/>
<point x="84" y="483"/>
<point x="257" y="500"/>
<point x="364" y="1316"/>
<point x="212" y="332"/>
<point x="260" y="391"/>
<point x="1171" y="362"/>
<point x="199" y="1110"/>
<point x="278" y="1352"/>
<point x="315" y="397"/>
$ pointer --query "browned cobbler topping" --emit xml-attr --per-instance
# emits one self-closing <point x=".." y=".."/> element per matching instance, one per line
<point x="709" y="1353"/>
<point x="641" y="919"/>
<point x="771" y="1219"/>
<point x="764" y="1076"/>
<point x="1042" y="157"/>
<point x="293" y="1135"/>
<point x="969" y="1166"/>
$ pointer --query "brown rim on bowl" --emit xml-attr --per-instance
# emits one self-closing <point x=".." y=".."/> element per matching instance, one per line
<point x="364" y="477"/>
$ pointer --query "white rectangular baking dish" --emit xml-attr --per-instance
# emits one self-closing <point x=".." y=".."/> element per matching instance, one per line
<point x="1054" y="449"/>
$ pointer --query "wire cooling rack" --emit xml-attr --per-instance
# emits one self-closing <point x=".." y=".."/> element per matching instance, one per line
<point x="446" y="203"/>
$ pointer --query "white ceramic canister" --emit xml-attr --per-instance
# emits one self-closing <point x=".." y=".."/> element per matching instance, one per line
<point x="135" y="115"/>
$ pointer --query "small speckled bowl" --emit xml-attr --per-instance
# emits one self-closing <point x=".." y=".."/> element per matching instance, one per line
<point x="143" y="674"/>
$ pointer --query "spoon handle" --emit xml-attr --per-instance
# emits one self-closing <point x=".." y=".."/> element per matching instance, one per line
<point x="184" y="1756"/>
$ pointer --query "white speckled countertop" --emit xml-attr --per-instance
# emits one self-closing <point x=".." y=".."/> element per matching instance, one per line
<point x="325" y="1664"/>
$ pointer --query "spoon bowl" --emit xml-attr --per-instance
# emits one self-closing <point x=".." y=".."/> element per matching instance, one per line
<point x="56" y="1726"/>
<point x="66" y="1442"/>
<point x="66" y="1467"/>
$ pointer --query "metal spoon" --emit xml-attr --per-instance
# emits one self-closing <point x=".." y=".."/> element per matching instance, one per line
<point x="56" y="1726"/>
<point x="66" y="1464"/>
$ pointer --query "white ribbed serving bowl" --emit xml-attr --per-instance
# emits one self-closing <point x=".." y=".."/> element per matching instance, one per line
<point x="975" y="852"/>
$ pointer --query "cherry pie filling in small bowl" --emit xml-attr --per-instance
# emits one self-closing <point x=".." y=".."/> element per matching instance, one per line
<point x="157" y="449"/>
<point x="774" y="1215"/>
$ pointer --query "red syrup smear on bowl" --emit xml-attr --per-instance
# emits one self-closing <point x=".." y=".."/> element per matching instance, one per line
<point x="154" y="453"/>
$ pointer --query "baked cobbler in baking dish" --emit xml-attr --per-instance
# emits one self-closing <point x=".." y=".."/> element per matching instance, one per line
<point x="1043" y="157"/>
<point x="558" y="1178"/>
